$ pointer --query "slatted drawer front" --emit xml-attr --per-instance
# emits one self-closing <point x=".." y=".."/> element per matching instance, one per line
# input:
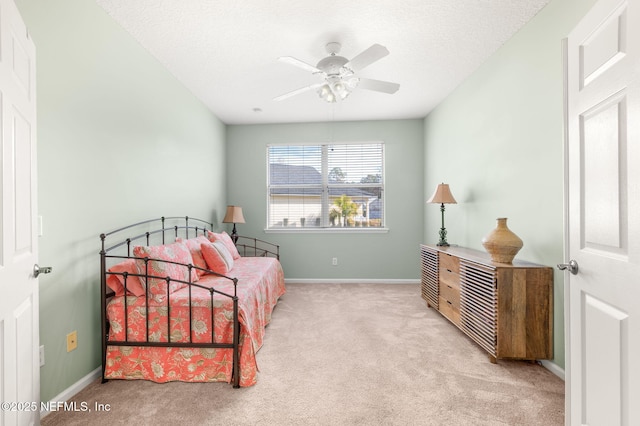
<point x="449" y="286"/>
<point x="452" y="279"/>
<point x="429" y="260"/>
<point x="451" y="294"/>
<point x="450" y="302"/>
<point x="447" y="309"/>
<point x="449" y="262"/>
<point x="478" y="303"/>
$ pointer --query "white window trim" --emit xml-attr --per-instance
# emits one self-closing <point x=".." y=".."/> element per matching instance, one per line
<point x="327" y="230"/>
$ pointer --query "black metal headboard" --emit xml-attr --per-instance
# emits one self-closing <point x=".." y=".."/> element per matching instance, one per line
<point x="172" y="224"/>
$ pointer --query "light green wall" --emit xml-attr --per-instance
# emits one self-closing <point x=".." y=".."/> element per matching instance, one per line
<point x="392" y="255"/>
<point x="119" y="140"/>
<point x="498" y="142"/>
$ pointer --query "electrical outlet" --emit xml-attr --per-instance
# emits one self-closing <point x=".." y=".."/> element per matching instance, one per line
<point x="41" y="355"/>
<point x="72" y="341"/>
<point x="334" y="261"/>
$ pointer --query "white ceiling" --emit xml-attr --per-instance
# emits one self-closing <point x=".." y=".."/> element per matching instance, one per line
<point x="226" y="51"/>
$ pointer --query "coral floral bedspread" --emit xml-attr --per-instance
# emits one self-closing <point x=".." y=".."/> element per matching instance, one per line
<point x="260" y="284"/>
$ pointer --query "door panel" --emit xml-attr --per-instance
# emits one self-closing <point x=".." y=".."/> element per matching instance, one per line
<point x="603" y="156"/>
<point x="604" y="150"/>
<point x="603" y="361"/>
<point x="19" y="340"/>
<point x="22" y="178"/>
<point x="25" y="328"/>
<point x="604" y="48"/>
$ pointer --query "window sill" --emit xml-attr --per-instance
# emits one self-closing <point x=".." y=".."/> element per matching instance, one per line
<point x="334" y="230"/>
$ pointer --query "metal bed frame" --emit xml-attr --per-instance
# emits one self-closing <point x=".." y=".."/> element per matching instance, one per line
<point x="181" y="227"/>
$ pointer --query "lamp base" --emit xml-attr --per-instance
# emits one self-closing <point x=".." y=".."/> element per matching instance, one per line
<point x="443" y="238"/>
<point x="443" y="231"/>
<point x="234" y="234"/>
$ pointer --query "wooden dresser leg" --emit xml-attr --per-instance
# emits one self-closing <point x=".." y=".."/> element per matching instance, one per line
<point x="493" y="359"/>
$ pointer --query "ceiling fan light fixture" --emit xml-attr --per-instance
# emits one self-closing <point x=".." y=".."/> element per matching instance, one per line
<point x="337" y="74"/>
<point x="324" y="91"/>
<point x="341" y="90"/>
<point x="333" y="91"/>
<point x="331" y="98"/>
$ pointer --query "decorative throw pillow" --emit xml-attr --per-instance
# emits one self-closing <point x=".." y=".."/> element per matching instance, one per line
<point x="116" y="282"/>
<point x="217" y="257"/>
<point x="226" y="239"/>
<point x="161" y="266"/>
<point x="196" y="253"/>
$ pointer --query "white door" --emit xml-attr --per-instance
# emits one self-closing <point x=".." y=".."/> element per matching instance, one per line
<point x="19" y="360"/>
<point x="603" y="298"/>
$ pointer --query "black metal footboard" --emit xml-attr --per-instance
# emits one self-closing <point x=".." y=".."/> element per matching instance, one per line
<point x="156" y="232"/>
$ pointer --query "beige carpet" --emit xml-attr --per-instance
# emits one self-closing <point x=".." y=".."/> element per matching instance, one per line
<point x="347" y="354"/>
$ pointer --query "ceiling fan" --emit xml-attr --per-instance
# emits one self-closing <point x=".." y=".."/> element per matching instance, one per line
<point x="338" y="75"/>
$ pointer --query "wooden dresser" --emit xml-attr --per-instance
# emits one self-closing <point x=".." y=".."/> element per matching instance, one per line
<point x="506" y="308"/>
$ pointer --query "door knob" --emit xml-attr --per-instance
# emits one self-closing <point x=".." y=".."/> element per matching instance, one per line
<point x="572" y="266"/>
<point x="37" y="270"/>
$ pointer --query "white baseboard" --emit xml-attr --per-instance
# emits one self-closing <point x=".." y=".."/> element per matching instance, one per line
<point x="350" y="281"/>
<point x="72" y="390"/>
<point x="554" y="368"/>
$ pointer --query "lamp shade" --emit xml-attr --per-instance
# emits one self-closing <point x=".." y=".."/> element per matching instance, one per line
<point x="234" y="215"/>
<point x="442" y="195"/>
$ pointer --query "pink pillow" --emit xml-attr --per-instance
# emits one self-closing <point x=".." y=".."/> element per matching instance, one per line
<point x="176" y="252"/>
<point x="116" y="282"/>
<point x="196" y="253"/>
<point x="217" y="257"/>
<point x="226" y="239"/>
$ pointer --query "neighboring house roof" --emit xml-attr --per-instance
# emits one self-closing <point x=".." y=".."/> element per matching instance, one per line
<point x="288" y="174"/>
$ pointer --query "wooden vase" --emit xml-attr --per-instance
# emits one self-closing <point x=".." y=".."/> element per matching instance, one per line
<point x="501" y="243"/>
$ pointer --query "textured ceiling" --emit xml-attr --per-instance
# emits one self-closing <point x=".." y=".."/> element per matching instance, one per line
<point x="226" y="51"/>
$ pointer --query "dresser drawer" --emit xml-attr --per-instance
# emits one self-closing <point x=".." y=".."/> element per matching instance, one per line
<point x="447" y="309"/>
<point x="446" y="261"/>
<point x="451" y="295"/>
<point x="452" y="279"/>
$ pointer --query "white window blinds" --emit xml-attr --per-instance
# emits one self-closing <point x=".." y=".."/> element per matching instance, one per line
<point x="326" y="186"/>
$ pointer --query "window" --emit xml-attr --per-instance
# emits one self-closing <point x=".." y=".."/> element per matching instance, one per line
<point x="325" y="186"/>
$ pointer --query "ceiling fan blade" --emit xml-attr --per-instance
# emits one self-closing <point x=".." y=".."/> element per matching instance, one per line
<point x="378" y="85"/>
<point x="367" y="57"/>
<point x="298" y="63"/>
<point x="298" y="91"/>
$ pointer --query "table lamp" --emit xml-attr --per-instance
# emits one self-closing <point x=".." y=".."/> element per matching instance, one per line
<point x="234" y="215"/>
<point x="442" y="196"/>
